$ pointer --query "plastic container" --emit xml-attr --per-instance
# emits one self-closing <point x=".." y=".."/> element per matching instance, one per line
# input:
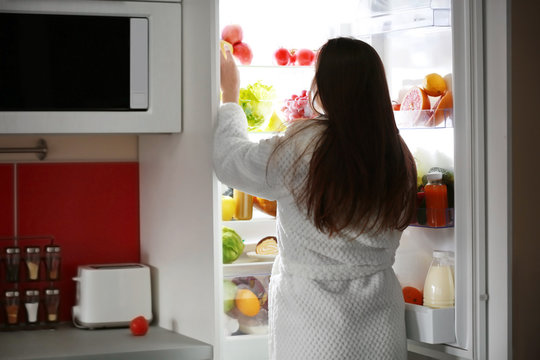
<point x="244" y="205"/>
<point x="439" y="291"/>
<point x="436" y="195"/>
<point x="246" y="304"/>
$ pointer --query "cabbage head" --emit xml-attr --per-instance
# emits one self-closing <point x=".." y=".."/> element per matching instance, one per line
<point x="232" y="245"/>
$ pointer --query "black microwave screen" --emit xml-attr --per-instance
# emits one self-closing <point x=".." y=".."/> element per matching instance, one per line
<point x="64" y="62"/>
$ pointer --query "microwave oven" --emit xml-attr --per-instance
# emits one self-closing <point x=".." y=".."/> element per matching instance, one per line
<point x="90" y="66"/>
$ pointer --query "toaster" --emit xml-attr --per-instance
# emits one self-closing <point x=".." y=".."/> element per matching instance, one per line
<point x="111" y="295"/>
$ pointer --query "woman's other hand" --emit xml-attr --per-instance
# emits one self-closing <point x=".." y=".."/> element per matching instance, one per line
<point x="230" y="78"/>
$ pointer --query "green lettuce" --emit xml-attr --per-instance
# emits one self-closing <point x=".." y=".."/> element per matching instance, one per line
<point x="256" y="101"/>
<point x="233" y="246"/>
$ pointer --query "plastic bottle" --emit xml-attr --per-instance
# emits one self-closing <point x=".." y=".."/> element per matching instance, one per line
<point x="436" y="200"/>
<point x="244" y="205"/>
<point x="439" y="291"/>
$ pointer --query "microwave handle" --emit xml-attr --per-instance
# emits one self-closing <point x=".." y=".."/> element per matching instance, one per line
<point x="139" y="63"/>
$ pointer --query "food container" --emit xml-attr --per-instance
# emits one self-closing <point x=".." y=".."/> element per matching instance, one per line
<point x="13" y="259"/>
<point x="31" y="304"/>
<point x="32" y="260"/>
<point x="246" y="304"/>
<point x="11" y="307"/>
<point x="52" y="262"/>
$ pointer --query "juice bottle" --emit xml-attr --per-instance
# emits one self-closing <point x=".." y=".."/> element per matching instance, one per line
<point x="436" y="200"/>
<point x="244" y="205"/>
<point x="439" y="289"/>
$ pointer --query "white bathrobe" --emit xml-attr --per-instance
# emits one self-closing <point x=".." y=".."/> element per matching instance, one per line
<point x="329" y="298"/>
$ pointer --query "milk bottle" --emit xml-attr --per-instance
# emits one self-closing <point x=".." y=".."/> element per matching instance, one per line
<point x="439" y="284"/>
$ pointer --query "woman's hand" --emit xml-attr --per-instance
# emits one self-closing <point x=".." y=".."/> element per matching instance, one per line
<point x="230" y="78"/>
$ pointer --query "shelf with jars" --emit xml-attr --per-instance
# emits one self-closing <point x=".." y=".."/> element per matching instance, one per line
<point x="31" y="268"/>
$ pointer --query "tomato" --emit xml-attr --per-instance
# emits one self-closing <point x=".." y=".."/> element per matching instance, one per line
<point x="138" y="326"/>
<point x="282" y="56"/>
<point x="305" y="57"/>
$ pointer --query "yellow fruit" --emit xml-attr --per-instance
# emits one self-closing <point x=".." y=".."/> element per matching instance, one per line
<point x="226" y="45"/>
<point x="434" y="85"/>
<point x="275" y="124"/>
<point x="228" y="207"/>
<point x="247" y="302"/>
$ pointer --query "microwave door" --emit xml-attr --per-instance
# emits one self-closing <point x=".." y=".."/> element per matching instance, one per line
<point x="56" y="62"/>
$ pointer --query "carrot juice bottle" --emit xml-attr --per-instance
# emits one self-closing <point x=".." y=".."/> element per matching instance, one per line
<point x="436" y="200"/>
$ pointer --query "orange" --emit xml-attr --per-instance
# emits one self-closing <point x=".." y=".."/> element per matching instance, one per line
<point x="415" y="99"/>
<point x="441" y="111"/>
<point x="434" y="84"/>
<point x="412" y="295"/>
<point x="247" y="302"/>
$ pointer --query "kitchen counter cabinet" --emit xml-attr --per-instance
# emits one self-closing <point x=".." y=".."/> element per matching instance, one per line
<point x="69" y="343"/>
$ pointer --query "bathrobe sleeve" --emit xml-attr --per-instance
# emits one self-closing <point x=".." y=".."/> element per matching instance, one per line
<point x="241" y="163"/>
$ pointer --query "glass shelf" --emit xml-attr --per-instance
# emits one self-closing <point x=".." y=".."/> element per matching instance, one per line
<point x="424" y="119"/>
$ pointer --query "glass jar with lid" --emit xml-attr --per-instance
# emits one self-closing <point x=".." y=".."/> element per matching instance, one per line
<point x="13" y="260"/>
<point x="52" y="303"/>
<point x="52" y="261"/>
<point x="31" y="303"/>
<point x="32" y="259"/>
<point x="11" y="307"/>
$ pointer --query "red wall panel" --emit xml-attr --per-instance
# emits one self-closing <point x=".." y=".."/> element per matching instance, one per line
<point x="6" y="200"/>
<point x="91" y="209"/>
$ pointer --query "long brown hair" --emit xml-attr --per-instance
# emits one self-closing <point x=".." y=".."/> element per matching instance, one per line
<point x="362" y="176"/>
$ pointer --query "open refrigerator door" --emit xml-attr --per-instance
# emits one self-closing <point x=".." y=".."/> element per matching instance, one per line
<point x="274" y="43"/>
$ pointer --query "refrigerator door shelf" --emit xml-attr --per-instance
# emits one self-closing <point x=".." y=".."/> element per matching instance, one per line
<point x="432" y="326"/>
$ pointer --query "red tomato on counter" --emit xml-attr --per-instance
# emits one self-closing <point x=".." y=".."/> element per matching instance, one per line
<point x="138" y="326"/>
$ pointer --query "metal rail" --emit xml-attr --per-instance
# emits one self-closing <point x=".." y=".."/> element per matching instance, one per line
<point x="40" y="150"/>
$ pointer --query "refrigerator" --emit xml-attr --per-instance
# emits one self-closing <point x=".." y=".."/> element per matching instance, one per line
<point x="181" y="199"/>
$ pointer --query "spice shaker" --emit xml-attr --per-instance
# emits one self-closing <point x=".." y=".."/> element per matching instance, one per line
<point x="13" y="259"/>
<point x="12" y="307"/>
<point x="32" y="262"/>
<point x="52" y="261"/>
<point x="31" y="304"/>
<point x="52" y="302"/>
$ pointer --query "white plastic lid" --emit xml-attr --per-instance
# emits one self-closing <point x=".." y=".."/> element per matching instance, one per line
<point x="433" y="176"/>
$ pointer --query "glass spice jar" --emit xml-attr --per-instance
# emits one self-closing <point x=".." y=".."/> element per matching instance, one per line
<point x="52" y="302"/>
<point x="32" y="262"/>
<point x="52" y="262"/>
<point x="31" y="303"/>
<point x="12" y="307"/>
<point x="13" y="260"/>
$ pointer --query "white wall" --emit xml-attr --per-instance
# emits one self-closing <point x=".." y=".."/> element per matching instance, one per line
<point x="176" y="181"/>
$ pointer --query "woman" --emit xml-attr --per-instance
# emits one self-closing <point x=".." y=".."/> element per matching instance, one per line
<point x="346" y="187"/>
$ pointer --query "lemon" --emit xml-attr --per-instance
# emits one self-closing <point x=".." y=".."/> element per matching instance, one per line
<point x="275" y="123"/>
<point x="228" y="207"/>
<point x="247" y="302"/>
<point x="434" y="84"/>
